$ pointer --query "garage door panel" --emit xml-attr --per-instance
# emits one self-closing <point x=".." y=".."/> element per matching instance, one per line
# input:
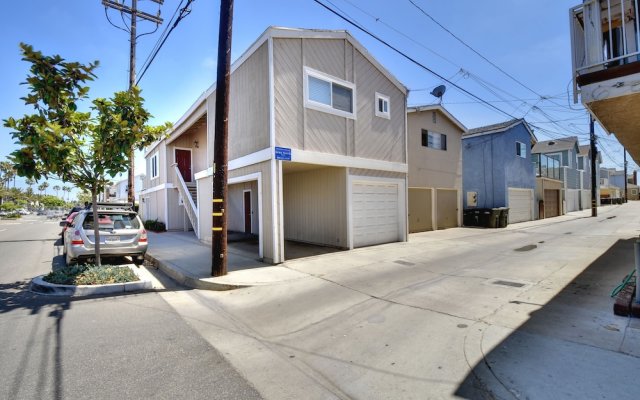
<point x="551" y="203"/>
<point x="520" y="205"/>
<point x="375" y="213"/>
<point x="447" y="201"/>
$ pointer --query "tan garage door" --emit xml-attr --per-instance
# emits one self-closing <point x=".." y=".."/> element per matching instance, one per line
<point x="551" y="203"/>
<point x="447" y="211"/>
<point x="520" y="205"/>
<point x="420" y="206"/>
<point x="375" y="213"/>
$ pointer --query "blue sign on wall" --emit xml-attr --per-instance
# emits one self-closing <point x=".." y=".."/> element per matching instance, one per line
<point x="283" y="153"/>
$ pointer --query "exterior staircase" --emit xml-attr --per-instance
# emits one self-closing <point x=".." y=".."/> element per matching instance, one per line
<point x="193" y="190"/>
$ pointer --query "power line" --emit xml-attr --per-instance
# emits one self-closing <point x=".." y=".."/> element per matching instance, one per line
<point x="414" y="61"/>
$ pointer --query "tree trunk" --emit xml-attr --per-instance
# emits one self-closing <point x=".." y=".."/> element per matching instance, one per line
<point x="96" y="225"/>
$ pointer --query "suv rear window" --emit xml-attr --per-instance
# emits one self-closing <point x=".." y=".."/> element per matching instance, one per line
<point x="112" y="221"/>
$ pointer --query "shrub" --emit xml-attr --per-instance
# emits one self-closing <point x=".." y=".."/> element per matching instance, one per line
<point x="89" y="274"/>
<point x="155" y="225"/>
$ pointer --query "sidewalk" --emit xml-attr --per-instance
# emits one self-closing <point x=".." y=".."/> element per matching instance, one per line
<point x="185" y="259"/>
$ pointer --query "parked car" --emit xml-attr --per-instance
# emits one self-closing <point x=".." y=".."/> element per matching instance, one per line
<point x="68" y="221"/>
<point x="121" y="234"/>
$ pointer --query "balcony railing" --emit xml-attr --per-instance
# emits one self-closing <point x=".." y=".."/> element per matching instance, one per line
<point x="604" y="33"/>
<point x="546" y="167"/>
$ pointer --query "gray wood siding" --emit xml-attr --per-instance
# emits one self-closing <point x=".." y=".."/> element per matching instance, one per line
<point x="298" y="127"/>
<point x="289" y="113"/>
<point x="248" y="106"/>
<point x="235" y="207"/>
<point x="375" y="137"/>
<point x="315" y="204"/>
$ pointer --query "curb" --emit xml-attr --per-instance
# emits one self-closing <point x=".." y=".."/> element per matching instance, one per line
<point x="176" y="273"/>
<point x="40" y="286"/>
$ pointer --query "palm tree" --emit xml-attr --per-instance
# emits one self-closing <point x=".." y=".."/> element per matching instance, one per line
<point x="66" y="189"/>
<point x="30" y="182"/>
<point x="6" y="173"/>
<point x="57" y="189"/>
<point x="43" y="188"/>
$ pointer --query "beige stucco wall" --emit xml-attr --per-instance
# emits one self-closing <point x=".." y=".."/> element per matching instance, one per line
<point x="431" y="167"/>
<point x="315" y="206"/>
<point x="541" y="185"/>
<point x="303" y="128"/>
<point x="420" y="210"/>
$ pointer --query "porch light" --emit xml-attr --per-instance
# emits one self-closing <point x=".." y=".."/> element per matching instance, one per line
<point x="196" y="144"/>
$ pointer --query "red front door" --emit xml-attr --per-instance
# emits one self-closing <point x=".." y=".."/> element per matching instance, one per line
<point x="183" y="158"/>
<point x="247" y="212"/>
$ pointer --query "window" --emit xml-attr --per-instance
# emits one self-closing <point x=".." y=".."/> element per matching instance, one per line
<point x="328" y="94"/>
<point x="434" y="140"/>
<point x="581" y="162"/>
<point x="521" y="150"/>
<point x="153" y="165"/>
<point x="382" y="106"/>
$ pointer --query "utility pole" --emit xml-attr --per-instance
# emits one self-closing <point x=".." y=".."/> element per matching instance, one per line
<point x="220" y="143"/>
<point x="135" y="14"/>
<point x="594" y="153"/>
<point x="626" y="193"/>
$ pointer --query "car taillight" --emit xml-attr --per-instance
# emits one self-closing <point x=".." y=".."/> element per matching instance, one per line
<point x="143" y="237"/>
<point x="77" y="239"/>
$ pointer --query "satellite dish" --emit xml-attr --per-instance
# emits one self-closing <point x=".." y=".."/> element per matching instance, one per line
<point x="439" y="91"/>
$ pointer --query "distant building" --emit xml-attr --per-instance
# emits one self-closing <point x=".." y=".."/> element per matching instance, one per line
<point x="117" y="193"/>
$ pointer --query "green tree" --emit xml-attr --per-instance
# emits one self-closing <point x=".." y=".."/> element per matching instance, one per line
<point x="6" y="174"/>
<point x="83" y="197"/>
<point x="81" y="148"/>
<point x="57" y="189"/>
<point x="49" y="201"/>
<point x="30" y="182"/>
<point x="43" y="187"/>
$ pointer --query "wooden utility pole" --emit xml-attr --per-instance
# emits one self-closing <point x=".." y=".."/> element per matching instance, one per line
<point x="594" y="154"/>
<point x="220" y="143"/>
<point x="135" y="14"/>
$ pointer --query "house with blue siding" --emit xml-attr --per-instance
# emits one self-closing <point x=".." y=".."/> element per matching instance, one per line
<point x="566" y="151"/>
<point x="498" y="169"/>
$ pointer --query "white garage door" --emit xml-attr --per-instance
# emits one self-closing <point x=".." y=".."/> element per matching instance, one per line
<point x="375" y="213"/>
<point x="520" y="205"/>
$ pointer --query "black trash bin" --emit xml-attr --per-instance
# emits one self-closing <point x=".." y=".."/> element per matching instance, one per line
<point x="504" y="217"/>
<point x="493" y="218"/>
<point x="467" y="217"/>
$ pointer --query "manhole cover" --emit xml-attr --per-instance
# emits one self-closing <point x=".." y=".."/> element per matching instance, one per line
<point x="407" y="263"/>
<point x="508" y="283"/>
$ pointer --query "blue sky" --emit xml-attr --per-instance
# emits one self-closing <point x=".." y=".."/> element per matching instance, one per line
<point x="528" y="40"/>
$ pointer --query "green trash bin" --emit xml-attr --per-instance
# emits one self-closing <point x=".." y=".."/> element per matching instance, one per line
<point x="504" y="217"/>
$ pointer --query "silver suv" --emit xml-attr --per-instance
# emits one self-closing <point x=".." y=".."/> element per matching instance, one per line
<point x="121" y="234"/>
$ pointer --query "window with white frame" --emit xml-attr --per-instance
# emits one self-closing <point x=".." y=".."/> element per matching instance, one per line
<point x="521" y="150"/>
<point x="434" y="140"/>
<point x="581" y="163"/>
<point x="153" y="165"/>
<point x="382" y="106"/>
<point x="329" y="94"/>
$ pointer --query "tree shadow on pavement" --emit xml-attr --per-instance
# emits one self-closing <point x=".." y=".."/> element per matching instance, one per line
<point x="571" y="347"/>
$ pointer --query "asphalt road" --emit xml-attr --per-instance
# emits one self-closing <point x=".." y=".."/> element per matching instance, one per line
<point x="133" y="346"/>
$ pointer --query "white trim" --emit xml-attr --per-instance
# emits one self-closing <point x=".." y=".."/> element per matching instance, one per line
<point x="338" y="160"/>
<point x="349" y="211"/>
<point x="257" y="176"/>
<point x="438" y="107"/>
<point x="382" y="114"/>
<point x="157" y="157"/>
<point x="158" y="187"/>
<point x="272" y="102"/>
<point x="274" y="215"/>
<point x="187" y="121"/>
<point x="253" y="158"/>
<point x="175" y="159"/>
<point x="308" y="103"/>
<point x="166" y="209"/>
<point x="281" y="209"/>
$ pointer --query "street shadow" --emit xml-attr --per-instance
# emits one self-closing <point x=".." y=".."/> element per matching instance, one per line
<point x="571" y="347"/>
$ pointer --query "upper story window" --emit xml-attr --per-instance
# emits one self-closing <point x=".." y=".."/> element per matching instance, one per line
<point x="382" y="106"/>
<point x="434" y="140"/>
<point x="326" y="93"/>
<point x="581" y="162"/>
<point x="521" y="150"/>
<point x="153" y="165"/>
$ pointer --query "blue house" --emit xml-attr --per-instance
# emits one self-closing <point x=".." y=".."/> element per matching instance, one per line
<point x="497" y="170"/>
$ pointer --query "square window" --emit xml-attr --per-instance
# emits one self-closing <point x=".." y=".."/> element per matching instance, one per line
<point x="382" y="106"/>
<point x="328" y="94"/>
<point x="434" y="140"/>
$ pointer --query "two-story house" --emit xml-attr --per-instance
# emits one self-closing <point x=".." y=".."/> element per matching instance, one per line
<point x="118" y="192"/>
<point x="498" y="169"/>
<point x="605" y="39"/>
<point x="610" y="193"/>
<point x="317" y="148"/>
<point x="565" y="151"/>
<point x="435" y="168"/>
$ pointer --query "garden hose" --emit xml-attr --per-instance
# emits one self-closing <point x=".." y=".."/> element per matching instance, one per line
<point x="624" y="283"/>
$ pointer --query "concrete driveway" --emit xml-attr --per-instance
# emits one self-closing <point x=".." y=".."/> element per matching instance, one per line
<point x="521" y="312"/>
